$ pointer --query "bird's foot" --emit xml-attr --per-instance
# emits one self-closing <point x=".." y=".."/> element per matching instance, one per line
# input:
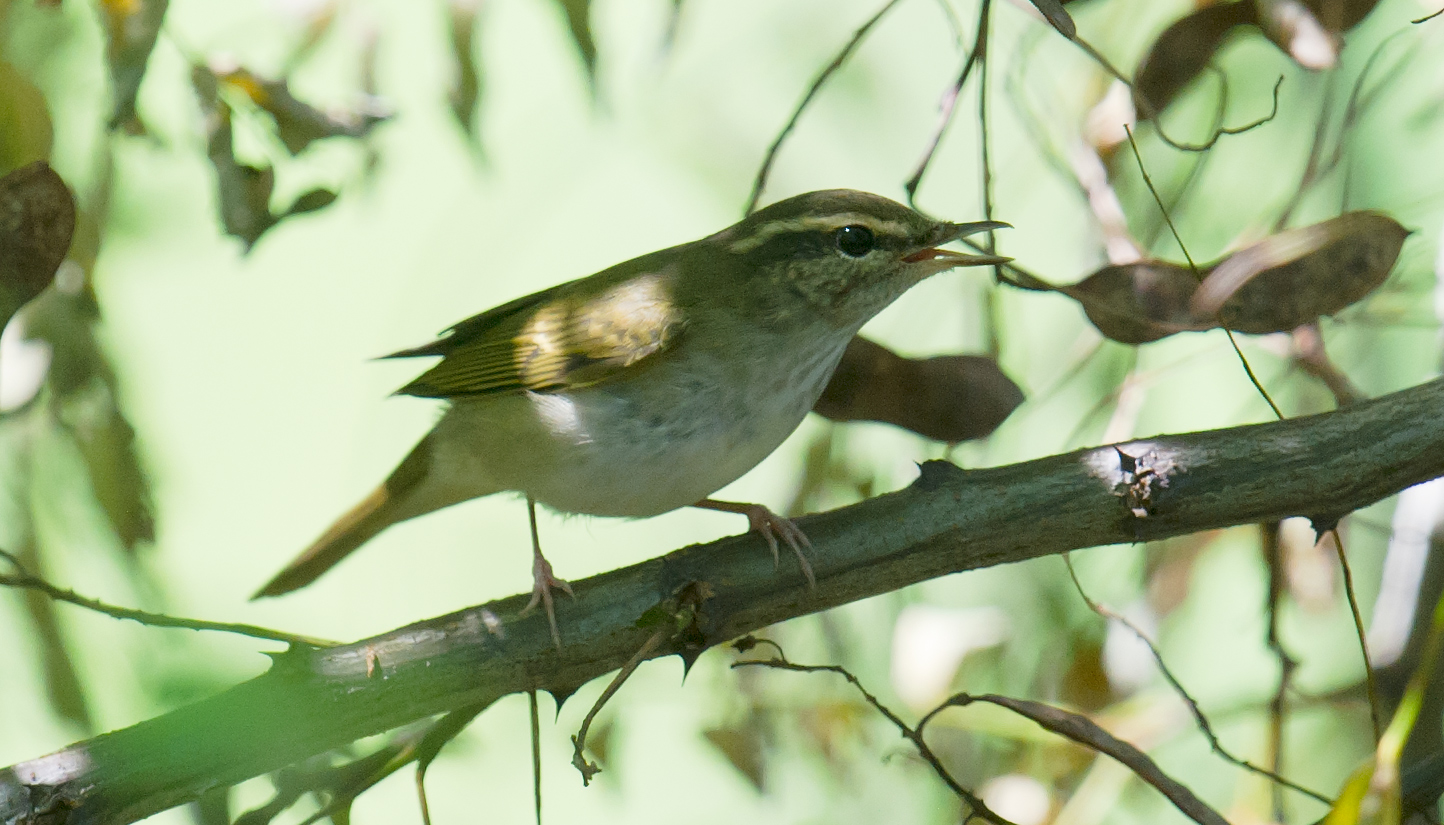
<point x="770" y="526"/>
<point x="543" y="582"/>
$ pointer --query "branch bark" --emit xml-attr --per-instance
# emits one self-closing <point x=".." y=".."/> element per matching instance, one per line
<point x="949" y="520"/>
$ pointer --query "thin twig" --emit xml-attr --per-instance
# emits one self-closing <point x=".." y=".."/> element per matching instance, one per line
<point x="1202" y="721"/>
<point x="1196" y="273"/>
<point x="1153" y="114"/>
<point x="913" y="735"/>
<point x="1273" y="558"/>
<point x="812" y="91"/>
<point x="579" y="741"/>
<point x="535" y="752"/>
<point x="1371" y="684"/>
<point x="950" y="101"/>
<point x="23" y="578"/>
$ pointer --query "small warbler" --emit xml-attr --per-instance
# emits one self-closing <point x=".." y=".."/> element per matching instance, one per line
<point x="650" y="385"/>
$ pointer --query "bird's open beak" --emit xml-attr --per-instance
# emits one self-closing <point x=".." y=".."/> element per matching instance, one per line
<point x="940" y="259"/>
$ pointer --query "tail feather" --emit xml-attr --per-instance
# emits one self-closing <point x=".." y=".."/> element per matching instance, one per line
<point x="398" y="499"/>
<point x="359" y="525"/>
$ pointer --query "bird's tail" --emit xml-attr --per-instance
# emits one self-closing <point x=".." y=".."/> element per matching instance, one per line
<point x="397" y="499"/>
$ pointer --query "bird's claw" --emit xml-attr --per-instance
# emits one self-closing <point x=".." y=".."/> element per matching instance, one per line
<point x="543" y="582"/>
<point x="770" y="525"/>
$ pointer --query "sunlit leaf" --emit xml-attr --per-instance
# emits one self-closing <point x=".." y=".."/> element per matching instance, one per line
<point x="1182" y="51"/>
<point x="37" y="221"/>
<point x="131" y="27"/>
<point x="25" y="130"/>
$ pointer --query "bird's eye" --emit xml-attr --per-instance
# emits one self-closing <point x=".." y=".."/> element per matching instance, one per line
<point x="855" y="241"/>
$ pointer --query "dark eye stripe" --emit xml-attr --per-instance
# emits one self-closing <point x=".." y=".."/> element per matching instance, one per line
<point x="823" y="225"/>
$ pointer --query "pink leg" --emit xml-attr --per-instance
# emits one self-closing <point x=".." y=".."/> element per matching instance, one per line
<point x="770" y="525"/>
<point x="542" y="579"/>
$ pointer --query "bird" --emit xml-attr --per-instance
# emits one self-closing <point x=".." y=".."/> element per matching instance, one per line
<point x="652" y="384"/>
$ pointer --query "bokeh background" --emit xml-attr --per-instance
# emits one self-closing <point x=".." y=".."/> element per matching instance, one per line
<point x="258" y="415"/>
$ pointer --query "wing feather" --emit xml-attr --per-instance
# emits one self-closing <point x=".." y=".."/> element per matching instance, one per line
<point x="565" y="337"/>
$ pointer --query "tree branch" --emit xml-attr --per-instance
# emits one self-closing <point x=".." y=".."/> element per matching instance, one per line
<point x="949" y="520"/>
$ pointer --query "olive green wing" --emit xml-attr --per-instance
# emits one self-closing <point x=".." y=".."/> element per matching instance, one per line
<point x="573" y="335"/>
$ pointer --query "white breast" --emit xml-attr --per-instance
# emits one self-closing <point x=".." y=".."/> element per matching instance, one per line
<point x="638" y="447"/>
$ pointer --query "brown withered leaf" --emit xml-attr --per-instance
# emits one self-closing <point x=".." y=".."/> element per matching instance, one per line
<point x="1182" y="51"/>
<point x="299" y="124"/>
<point x="465" y="94"/>
<point x="1139" y="302"/>
<point x="1341" y="15"/>
<point x="579" y="22"/>
<point x="1299" y="275"/>
<point x="1278" y="284"/>
<point x="131" y="27"/>
<point x="948" y="398"/>
<point x="25" y="129"/>
<point x="37" y="221"/>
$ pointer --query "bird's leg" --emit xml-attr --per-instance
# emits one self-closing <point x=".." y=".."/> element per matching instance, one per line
<point x="542" y="579"/>
<point x="770" y="525"/>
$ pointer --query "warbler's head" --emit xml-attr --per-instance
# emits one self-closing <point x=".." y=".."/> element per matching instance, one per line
<point x="845" y="254"/>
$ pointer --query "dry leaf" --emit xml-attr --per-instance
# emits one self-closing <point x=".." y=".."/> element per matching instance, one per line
<point x="1139" y="302"/>
<point x="1341" y="15"/>
<point x="1299" y="275"/>
<point x="1182" y="51"/>
<point x="37" y="220"/>
<point x="949" y="398"/>
<point x="1276" y="285"/>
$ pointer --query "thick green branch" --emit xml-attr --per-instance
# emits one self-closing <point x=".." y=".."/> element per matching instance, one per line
<point x="948" y="521"/>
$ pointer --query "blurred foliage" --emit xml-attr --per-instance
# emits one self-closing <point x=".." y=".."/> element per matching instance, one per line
<point x="177" y="409"/>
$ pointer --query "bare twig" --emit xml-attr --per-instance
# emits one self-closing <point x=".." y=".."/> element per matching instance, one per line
<point x="24" y="579"/>
<point x="1371" y="682"/>
<point x="579" y="741"/>
<point x="1199" y="275"/>
<point x="950" y="101"/>
<point x="1086" y="732"/>
<point x="913" y="734"/>
<point x="1278" y="708"/>
<point x="837" y="61"/>
<point x="1199" y="719"/>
